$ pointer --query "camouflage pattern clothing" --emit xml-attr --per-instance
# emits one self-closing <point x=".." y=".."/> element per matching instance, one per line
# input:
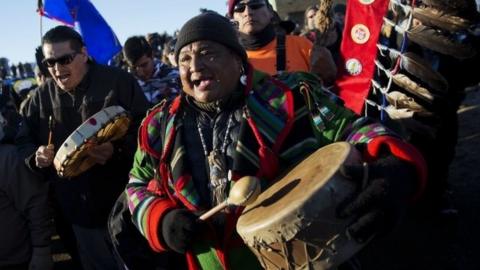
<point x="164" y="84"/>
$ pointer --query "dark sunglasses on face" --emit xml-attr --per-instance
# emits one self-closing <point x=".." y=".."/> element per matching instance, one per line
<point x="62" y="60"/>
<point x="240" y="7"/>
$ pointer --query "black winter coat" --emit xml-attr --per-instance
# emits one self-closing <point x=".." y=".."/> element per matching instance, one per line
<point x="25" y="220"/>
<point x="86" y="199"/>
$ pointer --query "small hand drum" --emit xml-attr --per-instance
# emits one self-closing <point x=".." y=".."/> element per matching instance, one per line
<point x="109" y="124"/>
<point x="293" y="224"/>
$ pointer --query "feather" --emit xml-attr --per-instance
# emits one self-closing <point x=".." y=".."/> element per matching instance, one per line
<point x="433" y="39"/>
<point x="434" y="16"/>
<point x="419" y="68"/>
<point x="394" y="54"/>
<point x="406" y="119"/>
<point x="396" y="113"/>
<point x="402" y="101"/>
<point x="412" y="87"/>
<point x="456" y="7"/>
<point x="438" y="18"/>
<point x="422" y="70"/>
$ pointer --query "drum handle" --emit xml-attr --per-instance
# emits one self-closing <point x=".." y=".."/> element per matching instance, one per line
<point x="245" y="191"/>
<point x="213" y="211"/>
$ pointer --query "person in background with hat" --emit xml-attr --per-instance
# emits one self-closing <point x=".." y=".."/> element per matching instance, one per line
<point x="158" y="80"/>
<point x="26" y="226"/>
<point x="275" y="53"/>
<point x="232" y="121"/>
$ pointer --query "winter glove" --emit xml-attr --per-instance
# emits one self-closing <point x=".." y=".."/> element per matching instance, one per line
<point x="382" y="198"/>
<point x="179" y="228"/>
<point x="41" y="259"/>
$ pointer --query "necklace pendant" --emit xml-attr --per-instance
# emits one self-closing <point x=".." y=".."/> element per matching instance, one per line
<point x="218" y="176"/>
<point x="218" y="167"/>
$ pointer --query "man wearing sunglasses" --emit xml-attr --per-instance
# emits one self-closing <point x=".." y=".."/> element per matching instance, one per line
<point x="272" y="51"/>
<point x="158" y="80"/>
<point x="79" y="88"/>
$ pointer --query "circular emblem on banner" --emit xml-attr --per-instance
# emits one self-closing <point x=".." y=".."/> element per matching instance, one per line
<point x="360" y="33"/>
<point x="366" y="2"/>
<point x="353" y="66"/>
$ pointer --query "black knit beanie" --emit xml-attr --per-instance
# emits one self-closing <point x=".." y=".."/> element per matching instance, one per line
<point x="210" y="26"/>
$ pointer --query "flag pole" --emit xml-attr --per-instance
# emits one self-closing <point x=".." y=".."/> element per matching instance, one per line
<point x="40" y="12"/>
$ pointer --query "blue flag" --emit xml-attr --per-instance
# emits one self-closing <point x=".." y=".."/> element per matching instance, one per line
<point x="58" y="10"/>
<point x="101" y="42"/>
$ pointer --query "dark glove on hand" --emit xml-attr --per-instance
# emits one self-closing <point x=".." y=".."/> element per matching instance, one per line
<point x="380" y="204"/>
<point x="41" y="259"/>
<point x="179" y="227"/>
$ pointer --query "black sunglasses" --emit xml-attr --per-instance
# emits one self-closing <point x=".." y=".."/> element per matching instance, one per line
<point x="240" y="7"/>
<point x="62" y="60"/>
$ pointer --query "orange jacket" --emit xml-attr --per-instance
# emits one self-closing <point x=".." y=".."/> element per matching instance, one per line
<point x="297" y="51"/>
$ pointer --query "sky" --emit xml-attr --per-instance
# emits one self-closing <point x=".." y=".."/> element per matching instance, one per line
<point x="20" y="31"/>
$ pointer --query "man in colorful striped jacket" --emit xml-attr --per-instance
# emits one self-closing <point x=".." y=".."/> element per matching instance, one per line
<point x="232" y="121"/>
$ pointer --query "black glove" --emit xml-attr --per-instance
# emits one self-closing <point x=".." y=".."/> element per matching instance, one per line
<point x="380" y="204"/>
<point x="179" y="228"/>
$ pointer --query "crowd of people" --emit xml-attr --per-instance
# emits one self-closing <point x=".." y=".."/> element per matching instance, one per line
<point x="225" y="97"/>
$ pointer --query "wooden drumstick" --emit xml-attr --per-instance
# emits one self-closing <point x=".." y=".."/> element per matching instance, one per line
<point x="245" y="191"/>
<point x="50" y="130"/>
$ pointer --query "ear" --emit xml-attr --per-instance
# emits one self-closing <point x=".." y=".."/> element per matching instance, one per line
<point x="43" y="50"/>
<point x="270" y="10"/>
<point x="237" y="59"/>
<point x="84" y="53"/>
<point x="235" y="19"/>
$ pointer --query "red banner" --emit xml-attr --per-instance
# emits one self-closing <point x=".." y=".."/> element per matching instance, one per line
<point x="363" y="22"/>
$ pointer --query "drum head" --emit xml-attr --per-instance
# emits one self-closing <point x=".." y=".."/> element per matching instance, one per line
<point x="108" y="124"/>
<point x="300" y="196"/>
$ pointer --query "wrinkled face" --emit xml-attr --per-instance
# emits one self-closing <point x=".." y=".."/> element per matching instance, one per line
<point x="66" y="66"/>
<point x="143" y="67"/>
<point x="311" y="19"/>
<point x="209" y="71"/>
<point x="252" y="16"/>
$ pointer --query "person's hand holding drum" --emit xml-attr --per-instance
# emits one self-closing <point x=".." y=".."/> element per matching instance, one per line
<point x="44" y="156"/>
<point x="101" y="153"/>
<point x="387" y="184"/>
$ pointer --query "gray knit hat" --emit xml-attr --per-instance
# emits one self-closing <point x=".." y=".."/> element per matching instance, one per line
<point x="210" y="26"/>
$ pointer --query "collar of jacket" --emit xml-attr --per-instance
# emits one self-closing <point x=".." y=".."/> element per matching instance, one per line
<point x="258" y="40"/>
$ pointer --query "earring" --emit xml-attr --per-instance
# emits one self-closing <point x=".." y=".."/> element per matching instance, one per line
<point x="243" y="77"/>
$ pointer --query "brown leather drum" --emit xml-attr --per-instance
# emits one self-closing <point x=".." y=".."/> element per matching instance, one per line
<point x="109" y="124"/>
<point x="293" y="224"/>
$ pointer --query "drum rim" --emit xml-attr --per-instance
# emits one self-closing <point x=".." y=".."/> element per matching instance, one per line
<point x="113" y="112"/>
<point x="303" y="212"/>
